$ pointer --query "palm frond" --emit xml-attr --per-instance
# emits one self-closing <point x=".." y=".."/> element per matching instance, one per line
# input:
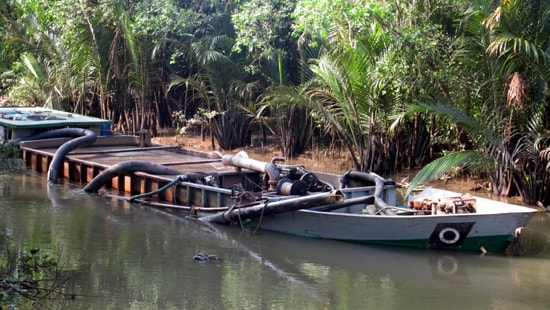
<point x="545" y="155"/>
<point x="34" y="68"/>
<point x="206" y="56"/>
<point x="439" y="167"/>
<point x="477" y="128"/>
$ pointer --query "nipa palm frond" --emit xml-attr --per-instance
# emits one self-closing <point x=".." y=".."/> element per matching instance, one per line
<point x="478" y="129"/>
<point x="439" y="167"/>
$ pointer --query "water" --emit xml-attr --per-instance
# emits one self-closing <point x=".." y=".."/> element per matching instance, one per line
<point x="123" y="256"/>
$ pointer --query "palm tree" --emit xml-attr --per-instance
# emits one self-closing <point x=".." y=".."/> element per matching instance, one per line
<point x="287" y="108"/>
<point x="212" y="87"/>
<point x="507" y="125"/>
<point x="59" y="67"/>
<point x="521" y="46"/>
<point x="349" y="94"/>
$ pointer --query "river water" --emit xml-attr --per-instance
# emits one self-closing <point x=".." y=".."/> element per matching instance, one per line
<point x="123" y="256"/>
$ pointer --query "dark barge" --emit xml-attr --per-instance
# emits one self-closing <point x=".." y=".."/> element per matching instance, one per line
<point x="234" y="189"/>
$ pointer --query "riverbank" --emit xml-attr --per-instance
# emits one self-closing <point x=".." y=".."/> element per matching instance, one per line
<point x="322" y="159"/>
<point x="327" y="160"/>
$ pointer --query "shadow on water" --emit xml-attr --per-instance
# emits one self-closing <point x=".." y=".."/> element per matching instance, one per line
<point x="125" y="255"/>
<point x="309" y="262"/>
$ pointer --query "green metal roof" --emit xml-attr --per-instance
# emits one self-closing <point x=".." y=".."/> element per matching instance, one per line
<point x="34" y="117"/>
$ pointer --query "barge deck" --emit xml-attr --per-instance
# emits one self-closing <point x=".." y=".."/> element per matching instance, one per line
<point x="85" y="163"/>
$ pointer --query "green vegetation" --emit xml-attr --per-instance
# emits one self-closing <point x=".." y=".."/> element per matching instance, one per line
<point x="28" y="279"/>
<point x="10" y="163"/>
<point x="10" y="158"/>
<point x="396" y="84"/>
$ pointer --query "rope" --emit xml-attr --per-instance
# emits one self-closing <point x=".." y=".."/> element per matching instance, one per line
<point x="261" y="218"/>
<point x="259" y="185"/>
<point x="237" y="194"/>
<point x="191" y="211"/>
<point x="240" y="219"/>
<point x="240" y="197"/>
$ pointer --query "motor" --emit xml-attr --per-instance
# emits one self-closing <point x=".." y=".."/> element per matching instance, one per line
<point x="288" y="187"/>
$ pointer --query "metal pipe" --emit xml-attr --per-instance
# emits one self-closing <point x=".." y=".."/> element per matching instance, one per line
<point x="256" y="165"/>
<point x="281" y="206"/>
<point x="379" y="183"/>
<point x="369" y="200"/>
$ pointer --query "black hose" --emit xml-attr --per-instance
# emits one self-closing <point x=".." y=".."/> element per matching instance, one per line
<point x="126" y="167"/>
<point x="83" y="137"/>
<point x="55" y="133"/>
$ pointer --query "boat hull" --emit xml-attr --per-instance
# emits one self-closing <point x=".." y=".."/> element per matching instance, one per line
<point x="464" y="232"/>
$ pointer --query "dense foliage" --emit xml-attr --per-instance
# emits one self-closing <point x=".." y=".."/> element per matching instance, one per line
<point x="10" y="159"/>
<point x="396" y="84"/>
<point x="29" y="279"/>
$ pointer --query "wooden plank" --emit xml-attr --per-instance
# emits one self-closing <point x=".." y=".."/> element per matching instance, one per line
<point x="66" y="170"/>
<point x="45" y="143"/>
<point x="44" y="162"/>
<point x="124" y="150"/>
<point x="127" y="183"/>
<point x="85" y="163"/>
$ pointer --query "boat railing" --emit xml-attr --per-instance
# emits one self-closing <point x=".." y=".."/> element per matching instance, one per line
<point x="207" y="196"/>
<point x="389" y="192"/>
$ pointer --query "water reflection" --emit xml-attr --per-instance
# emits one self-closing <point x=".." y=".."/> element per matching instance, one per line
<point x="129" y="256"/>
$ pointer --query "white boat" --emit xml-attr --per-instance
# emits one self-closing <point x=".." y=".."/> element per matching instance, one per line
<point x="367" y="213"/>
<point x="491" y="228"/>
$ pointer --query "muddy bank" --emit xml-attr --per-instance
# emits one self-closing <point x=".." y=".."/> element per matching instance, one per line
<point x="327" y="160"/>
